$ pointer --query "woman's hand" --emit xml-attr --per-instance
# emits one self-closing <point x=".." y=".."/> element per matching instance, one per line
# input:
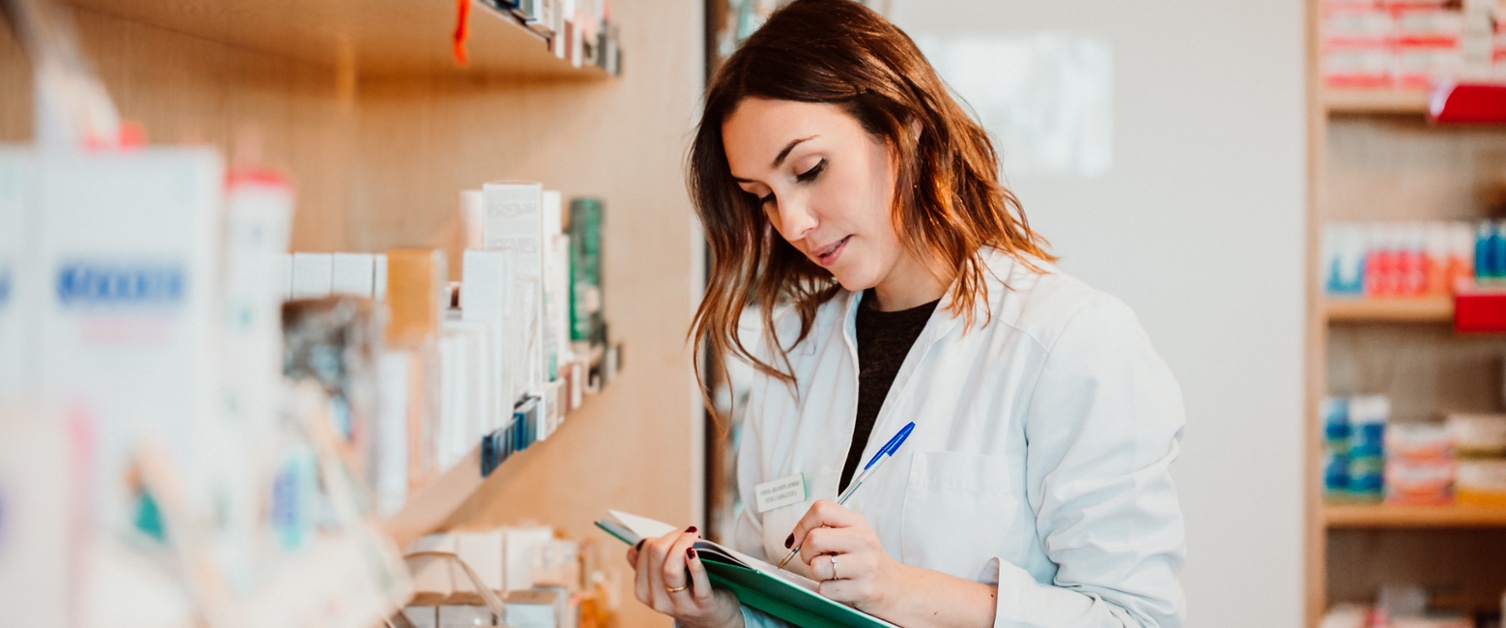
<point x="845" y="556"/>
<point x="670" y="579"/>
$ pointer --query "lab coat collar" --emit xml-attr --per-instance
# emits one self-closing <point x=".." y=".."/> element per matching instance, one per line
<point x="942" y="323"/>
<point x="997" y="268"/>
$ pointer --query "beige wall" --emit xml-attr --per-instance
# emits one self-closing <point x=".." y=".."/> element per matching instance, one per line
<point x="1199" y="225"/>
<point x="380" y="166"/>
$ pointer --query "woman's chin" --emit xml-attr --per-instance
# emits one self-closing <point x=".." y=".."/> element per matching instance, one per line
<point x="851" y="283"/>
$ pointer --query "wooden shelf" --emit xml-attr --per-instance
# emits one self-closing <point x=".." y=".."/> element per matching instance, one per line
<point x="1390" y="516"/>
<point x="1438" y="310"/>
<point x="1360" y="102"/>
<point x="375" y="38"/>
<point x="429" y="507"/>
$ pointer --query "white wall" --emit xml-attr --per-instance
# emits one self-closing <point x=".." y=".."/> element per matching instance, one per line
<point x="1198" y="223"/>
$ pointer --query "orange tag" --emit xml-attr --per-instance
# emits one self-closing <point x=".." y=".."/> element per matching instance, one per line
<point x="462" y="31"/>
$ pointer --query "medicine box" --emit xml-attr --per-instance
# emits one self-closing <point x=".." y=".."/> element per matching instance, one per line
<point x="313" y="275"/>
<point x="128" y="249"/>
<point x="18" y="279"/>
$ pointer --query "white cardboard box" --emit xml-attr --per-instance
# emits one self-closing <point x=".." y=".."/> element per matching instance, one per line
<point x="354" y="274"/>
<point x="18" y="279"/>
<point x="313" y="275"/>
<point x="483" y="552"/>
<point x="379" y="282"/>
<point x="513" y="221"/>
<point x="128" y="329"/>
<point x="36" y="471"/>
<point x="484" y="297"/>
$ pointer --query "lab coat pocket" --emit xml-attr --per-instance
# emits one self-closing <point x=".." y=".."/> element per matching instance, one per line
<point x="957" y="512"/>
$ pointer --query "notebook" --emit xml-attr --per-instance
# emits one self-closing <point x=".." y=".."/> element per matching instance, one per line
<point x="787" y="596"/>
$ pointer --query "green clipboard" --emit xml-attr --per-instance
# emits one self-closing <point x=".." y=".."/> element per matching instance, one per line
<point x="757" y="584"/>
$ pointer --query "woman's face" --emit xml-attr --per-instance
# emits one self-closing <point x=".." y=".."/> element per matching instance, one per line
<point x="825" y="184"/>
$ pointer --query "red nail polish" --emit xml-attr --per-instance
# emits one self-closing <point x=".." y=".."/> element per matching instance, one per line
<point x="690" y="530"/>
<point x="690" y="552"/>
<point x="789" y="542"/>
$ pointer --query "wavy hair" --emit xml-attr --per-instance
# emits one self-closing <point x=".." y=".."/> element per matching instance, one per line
<point x="948" y="202"/>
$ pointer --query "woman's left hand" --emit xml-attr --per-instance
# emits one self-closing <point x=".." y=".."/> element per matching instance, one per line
<point x="846" y="558"/>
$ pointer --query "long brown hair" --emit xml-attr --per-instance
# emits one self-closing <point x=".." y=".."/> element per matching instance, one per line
<point x="948" y="205"/>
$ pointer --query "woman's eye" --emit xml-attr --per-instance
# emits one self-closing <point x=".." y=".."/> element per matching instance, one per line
<point x="765" y="200"/>
<point x="815" y="171"/>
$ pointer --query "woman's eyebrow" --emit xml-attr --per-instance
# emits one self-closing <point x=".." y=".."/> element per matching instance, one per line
<point x="779" y="159"/>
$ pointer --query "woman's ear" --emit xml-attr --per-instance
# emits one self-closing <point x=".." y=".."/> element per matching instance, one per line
<point x="915" y="130"/>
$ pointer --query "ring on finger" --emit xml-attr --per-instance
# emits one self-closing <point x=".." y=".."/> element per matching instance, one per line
<point x="676" y="589"/>
<point x="834" y="575"/>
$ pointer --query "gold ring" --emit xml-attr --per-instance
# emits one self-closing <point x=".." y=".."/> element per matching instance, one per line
<point x="676" y="589"/>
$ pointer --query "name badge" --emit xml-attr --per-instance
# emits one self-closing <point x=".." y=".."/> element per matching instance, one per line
<point x="781" y="492"/>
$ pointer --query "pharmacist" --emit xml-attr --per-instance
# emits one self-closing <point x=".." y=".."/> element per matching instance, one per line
<point x="834" y="173"/>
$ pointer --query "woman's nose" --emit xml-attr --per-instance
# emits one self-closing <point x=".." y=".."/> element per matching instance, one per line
<point x="796" y="220"/>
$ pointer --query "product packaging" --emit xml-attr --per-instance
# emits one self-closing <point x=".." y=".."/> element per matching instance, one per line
<point x="129" y="323"/>
<point x="313" y="275"/>
<point x="1368" y="416"/>
<point x="18" y="281"/>
<point x="513" y="221"/>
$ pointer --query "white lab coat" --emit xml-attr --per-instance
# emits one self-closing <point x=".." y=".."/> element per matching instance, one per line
<point x="1039" y="461"/>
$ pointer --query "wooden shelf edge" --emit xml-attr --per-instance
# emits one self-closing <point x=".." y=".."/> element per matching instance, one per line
<point x="1359" y="102"/>
<point x="428" y="507"/>
<point x="1393" y="516"/>
<point x="431" y="506"/>
<point x="381" y="40"/>
<point x="1438" y="310"/>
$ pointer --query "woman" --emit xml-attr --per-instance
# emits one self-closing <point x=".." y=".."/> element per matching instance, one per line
<point x="833" y="171"/>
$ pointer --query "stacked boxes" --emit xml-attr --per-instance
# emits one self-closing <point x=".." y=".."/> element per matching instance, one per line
<point x="1401" y="259"/>
<point x="1354" y="437"/>
<point x="1479" y="442"/>
<point x="1410" y="44"/>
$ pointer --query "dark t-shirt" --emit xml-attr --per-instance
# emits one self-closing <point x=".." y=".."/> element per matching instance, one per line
<point x="884" y="339"/>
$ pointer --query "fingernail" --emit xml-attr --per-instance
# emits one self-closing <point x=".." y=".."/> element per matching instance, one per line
<point x="789" y="542"/>
<point x="690" y="552"/>
<point x="639" y="546"/>
<point x="690" y="530"/>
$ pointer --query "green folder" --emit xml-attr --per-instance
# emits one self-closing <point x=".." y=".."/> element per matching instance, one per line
<point x="756" y="583"/>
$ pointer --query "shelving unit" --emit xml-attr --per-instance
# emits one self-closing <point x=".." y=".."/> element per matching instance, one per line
<point x="1435" y="310"/>
<point x="1390" y="516"/>
<point x="432" y="505"/>
<point x="1374" y="156"/>
<point x="362" y="103"/>
<point x="1364" y="102"/>
<point x="378" y="38"/>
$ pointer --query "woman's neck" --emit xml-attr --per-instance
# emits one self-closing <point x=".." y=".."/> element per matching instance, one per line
<point x="908" y="285"/>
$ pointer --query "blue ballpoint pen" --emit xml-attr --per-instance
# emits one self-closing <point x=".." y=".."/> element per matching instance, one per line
<point x="884" y="453"/>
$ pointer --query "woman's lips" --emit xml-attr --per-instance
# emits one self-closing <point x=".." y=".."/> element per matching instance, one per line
<point x="833" y="252"/>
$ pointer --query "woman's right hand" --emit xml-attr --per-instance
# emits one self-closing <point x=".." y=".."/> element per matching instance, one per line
<point x="670" y="579"/>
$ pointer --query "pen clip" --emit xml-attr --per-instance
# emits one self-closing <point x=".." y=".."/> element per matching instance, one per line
<point x="890" y="447"/>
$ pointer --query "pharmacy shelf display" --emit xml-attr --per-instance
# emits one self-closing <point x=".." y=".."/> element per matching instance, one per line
<point x="1359" y="102"/>
<point x="381" y="38"/>
<point x="1388" y="174"/>
<point x="1392" y="516"/>
<point x="1432" y="310"/>
<point x="244" y="483"/>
